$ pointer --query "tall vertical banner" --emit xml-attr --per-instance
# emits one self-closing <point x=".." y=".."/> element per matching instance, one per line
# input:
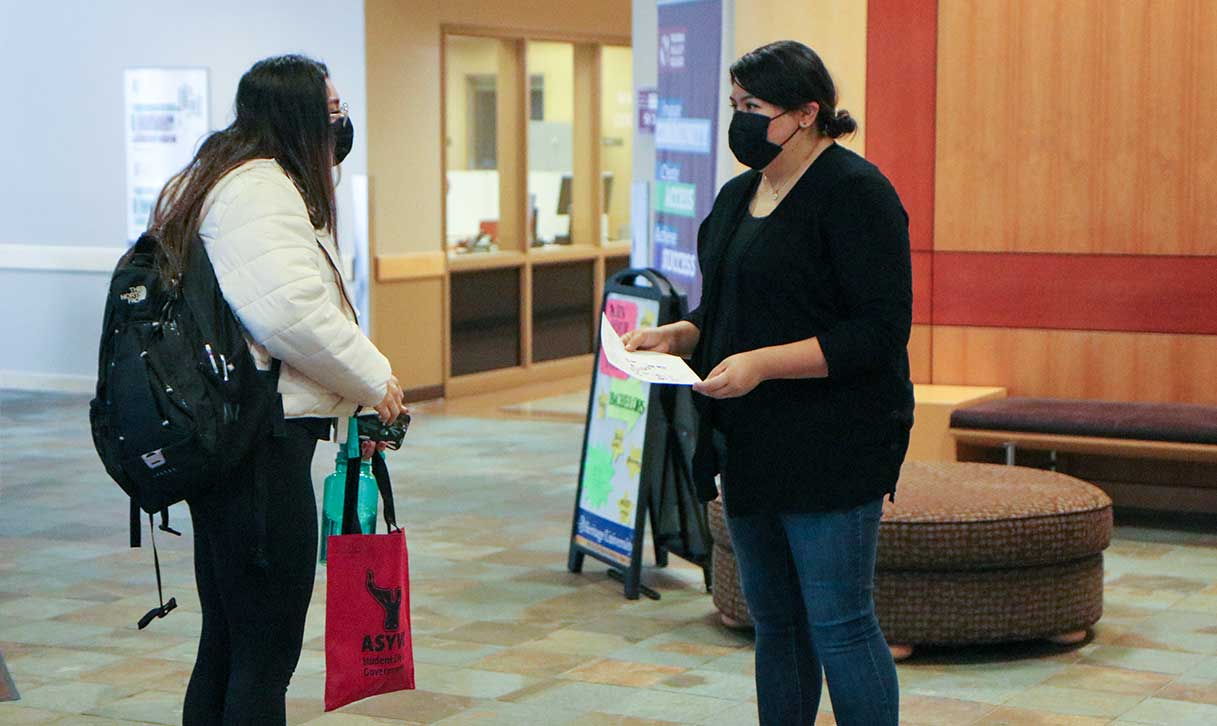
<point x="686" y="133"/>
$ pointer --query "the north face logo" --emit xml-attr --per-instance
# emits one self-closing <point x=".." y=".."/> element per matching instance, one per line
<point x="388" y="599"/>
<point x="136" y="294"/>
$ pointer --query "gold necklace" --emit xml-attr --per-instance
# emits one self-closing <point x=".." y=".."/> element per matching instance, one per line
<point x="776" y="191"/>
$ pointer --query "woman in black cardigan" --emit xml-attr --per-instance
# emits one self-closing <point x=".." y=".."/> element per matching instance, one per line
<point x="801" y="337"/>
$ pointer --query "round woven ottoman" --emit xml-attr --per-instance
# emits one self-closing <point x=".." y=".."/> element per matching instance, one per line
<point x="728" y="597"/>
<point x="974" y="553"/>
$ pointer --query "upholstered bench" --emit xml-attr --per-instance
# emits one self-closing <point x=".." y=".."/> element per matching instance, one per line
<point x="973" y="553"/>
<point x="1145" y="455"/>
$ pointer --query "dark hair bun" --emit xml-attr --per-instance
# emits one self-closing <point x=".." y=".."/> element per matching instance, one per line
<point x="839" y="124"/>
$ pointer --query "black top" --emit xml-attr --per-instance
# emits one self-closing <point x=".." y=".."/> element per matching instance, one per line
<point x="832" y="262"/>
<point x="717" y="343"/>
<point x="316" y="428"/>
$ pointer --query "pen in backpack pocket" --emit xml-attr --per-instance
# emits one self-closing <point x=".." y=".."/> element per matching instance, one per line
<point x="211" y="357"/>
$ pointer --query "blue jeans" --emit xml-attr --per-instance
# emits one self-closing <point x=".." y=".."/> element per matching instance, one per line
<point x="809" y="582"/>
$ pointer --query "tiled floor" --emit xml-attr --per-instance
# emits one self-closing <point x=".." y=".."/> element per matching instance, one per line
<point x="504" y="634"/>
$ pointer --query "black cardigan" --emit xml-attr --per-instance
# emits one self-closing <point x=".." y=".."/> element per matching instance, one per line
<point x="831" y="262"/>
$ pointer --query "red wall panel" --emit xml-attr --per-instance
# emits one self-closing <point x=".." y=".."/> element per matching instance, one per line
<point x="901" y="83"/>
<point x="1132" y="293"/>
<point x="923" y="287"/>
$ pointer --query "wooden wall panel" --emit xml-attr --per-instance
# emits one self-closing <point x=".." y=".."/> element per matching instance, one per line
<point x="901" y="46"/>
<point x="1131" y="293"/>
<point x="923" y="287"/>
<point x="510" y="124"/>
<point x="920" y="354"/>
<point x="410" y="266"/>
<point x="1079" y="364"/>
<point x="406" y="331"/>
<point x="901" y="38"/>
<point x="1078" y="126"/>
<point x="835" y="30"/>
<point x="587" y="183"/>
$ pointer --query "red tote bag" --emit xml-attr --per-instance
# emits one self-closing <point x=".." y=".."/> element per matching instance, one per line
<point x="368" y="649"/>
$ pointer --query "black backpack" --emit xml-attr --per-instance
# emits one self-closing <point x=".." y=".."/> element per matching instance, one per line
<point x="179" y="399"/>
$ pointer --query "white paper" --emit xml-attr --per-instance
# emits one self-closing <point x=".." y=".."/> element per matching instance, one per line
<point x="644" y="365"/>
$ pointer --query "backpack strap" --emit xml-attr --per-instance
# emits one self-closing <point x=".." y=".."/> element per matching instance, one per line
<point x="135" y="524"/>
<point x="164" y="526"/>
<point x="342" y="288"/>
<point x="165" y="607"/>
<point x="146" y="244"/>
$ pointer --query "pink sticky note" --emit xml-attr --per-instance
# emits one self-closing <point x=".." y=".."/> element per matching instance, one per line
<point x="623" y="316"/>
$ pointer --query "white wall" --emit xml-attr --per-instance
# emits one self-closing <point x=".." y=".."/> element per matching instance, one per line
<point x="62" y="143"/>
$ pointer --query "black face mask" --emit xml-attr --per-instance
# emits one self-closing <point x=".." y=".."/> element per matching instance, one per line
<point x="344" y="137"/>
<point x="748" y="138"/>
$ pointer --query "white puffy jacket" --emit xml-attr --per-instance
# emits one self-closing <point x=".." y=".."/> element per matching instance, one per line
<point x="278" y="274"/>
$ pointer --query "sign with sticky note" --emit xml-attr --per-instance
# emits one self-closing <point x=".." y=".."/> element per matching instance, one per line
<point x="636" y="458"/>
<point x="616" y="437"/>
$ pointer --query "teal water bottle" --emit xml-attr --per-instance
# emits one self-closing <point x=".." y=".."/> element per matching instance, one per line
<point x="334" y="493"/>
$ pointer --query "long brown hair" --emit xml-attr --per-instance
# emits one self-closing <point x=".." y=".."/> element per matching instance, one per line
<point x="282" y="114"/>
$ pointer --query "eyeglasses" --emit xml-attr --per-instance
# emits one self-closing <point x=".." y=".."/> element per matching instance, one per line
<point x="341" y="112"/>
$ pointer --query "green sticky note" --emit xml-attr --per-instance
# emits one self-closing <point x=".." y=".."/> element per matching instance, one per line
<point x="626" y="401"/>
<point x="597" y="476"/>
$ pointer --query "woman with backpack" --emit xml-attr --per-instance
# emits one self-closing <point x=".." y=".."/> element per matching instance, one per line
<point x="260" y="196"/>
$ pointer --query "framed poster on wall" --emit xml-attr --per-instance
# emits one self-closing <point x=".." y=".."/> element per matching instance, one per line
<point x="166" y="118"/>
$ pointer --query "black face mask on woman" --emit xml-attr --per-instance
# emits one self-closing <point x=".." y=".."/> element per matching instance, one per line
<point x="344" y="137"/>
<point x="748" y="137"/>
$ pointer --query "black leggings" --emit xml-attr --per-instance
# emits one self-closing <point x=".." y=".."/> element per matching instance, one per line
<point x="253" y="618"/>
